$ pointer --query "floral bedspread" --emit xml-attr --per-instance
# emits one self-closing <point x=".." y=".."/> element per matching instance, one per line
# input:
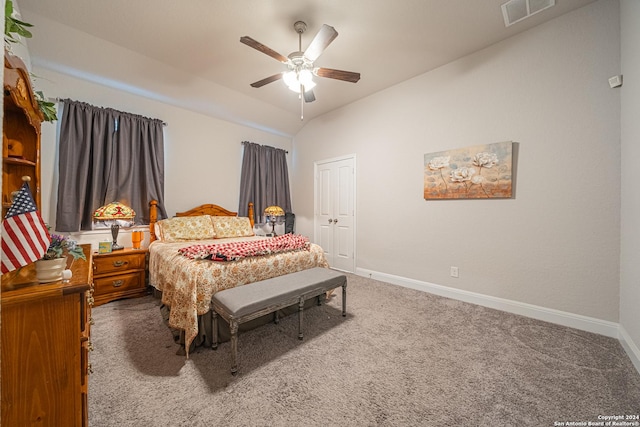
<point x="188" y="285"/>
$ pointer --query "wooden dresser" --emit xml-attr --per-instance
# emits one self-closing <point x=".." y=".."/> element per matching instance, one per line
<point x="45" y="345"/>
<point x="119" y="274"/>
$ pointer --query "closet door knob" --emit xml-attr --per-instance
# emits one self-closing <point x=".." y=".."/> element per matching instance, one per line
<point x="330" y="220"/>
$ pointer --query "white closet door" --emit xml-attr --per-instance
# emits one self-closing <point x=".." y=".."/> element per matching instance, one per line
<point x="335" y="212"/>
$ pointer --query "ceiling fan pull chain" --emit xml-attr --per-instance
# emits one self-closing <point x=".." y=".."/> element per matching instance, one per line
<point x="301" y="104"/>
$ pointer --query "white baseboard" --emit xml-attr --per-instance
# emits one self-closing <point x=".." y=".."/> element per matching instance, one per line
<point x="577" y="321"/>
<point x="630" y="347"/>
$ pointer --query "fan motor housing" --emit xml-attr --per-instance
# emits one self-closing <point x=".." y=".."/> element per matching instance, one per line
<point x="297" y="58"/>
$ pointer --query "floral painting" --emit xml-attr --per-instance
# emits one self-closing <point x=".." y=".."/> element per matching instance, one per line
<point x="478" y="172"/>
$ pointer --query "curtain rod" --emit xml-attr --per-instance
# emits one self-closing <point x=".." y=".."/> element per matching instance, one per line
<point x="243" y="142"/>
<point x="61" y="100"/>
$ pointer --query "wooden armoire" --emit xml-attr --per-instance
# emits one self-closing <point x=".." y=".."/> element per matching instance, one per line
<point x="45" y="328"/>
<point x="20" y="132"/>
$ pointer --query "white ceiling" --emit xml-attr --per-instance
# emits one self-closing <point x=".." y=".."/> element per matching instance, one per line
<point x="386" y="41"/>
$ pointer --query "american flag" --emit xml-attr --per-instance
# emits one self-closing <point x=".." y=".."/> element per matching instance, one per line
<point x="25" y="238"/>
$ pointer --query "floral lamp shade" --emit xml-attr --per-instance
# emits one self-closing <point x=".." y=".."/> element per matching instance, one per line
<point x="273" y="213"/>
<point x="114" y="212"/>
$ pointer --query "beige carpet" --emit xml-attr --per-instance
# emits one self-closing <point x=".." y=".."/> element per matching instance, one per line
<point x="400" y="358"/>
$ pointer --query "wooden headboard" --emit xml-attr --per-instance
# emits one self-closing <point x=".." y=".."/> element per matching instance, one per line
<point x="208" y="209"/>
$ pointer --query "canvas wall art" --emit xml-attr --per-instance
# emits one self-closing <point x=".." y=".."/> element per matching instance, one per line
<point x="478" y="172"/>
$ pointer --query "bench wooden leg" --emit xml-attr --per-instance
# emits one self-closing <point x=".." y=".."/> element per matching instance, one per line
<point x="214" y="329"/>
<point x="344" y="299"/>
<point x="300" y="310"/>
<point x="233" y="328"/>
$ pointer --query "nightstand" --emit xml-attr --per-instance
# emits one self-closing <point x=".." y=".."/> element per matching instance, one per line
<point x="119" y="274"/>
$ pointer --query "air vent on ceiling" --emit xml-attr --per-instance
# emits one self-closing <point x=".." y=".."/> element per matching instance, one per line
<point x="517" y="10"/>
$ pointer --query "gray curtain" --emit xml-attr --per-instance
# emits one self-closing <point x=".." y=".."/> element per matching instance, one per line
<point x="264" y="180"/>
<point x="105" y="156"/>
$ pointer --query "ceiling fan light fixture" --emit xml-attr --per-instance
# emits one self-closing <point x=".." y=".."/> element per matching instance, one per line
<point x="305" y="77"/>
<point x="291" y="80"/>
<point x="294" y="80"/>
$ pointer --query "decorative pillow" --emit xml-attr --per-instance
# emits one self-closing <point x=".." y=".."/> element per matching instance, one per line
<point x="186" y="228"/>
<point x="157" y="229"/>
<point x="232" y="226"/>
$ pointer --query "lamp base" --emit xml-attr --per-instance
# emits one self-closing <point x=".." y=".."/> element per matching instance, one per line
<point x="114" y="233"/>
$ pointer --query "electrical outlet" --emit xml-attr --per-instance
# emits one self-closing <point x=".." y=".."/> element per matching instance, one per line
<point x="454" y="271"/>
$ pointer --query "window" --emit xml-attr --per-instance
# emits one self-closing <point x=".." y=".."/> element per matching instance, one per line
<point x="264" y="180"/>
<point x="105" y="156"/>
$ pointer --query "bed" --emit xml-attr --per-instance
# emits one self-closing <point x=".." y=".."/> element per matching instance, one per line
<point x="187" y="285"/>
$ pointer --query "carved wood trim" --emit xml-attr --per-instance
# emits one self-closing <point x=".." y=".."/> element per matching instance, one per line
<point x="208" y="209"/>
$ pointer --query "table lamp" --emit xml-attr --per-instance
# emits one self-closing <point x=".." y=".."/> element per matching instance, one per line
<point x="273" y="213"/>
<point x="112" y="213"/>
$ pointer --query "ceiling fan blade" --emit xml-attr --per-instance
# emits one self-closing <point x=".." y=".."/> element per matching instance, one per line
<point x="347" y="76"/>
<point x="264" y="49"/>
<point x="267" y="80"/>
<point x="320" y="42"/>
<point x="309" y="96"/>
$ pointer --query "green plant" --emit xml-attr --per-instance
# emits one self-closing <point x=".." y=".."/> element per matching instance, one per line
<point x="48" y="108"/>
<point x="14" y="26"/>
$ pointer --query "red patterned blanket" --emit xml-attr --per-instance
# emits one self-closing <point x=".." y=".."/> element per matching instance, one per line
<point x="234" y="251"/>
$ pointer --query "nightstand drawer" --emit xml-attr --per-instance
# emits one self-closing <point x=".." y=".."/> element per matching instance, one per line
<point x="118" y="262"/>
<point x="119" y="274"/>
<point x="119" y="283"/>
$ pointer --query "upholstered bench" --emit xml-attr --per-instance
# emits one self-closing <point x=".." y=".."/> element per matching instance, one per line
<point x="248" y="302"/>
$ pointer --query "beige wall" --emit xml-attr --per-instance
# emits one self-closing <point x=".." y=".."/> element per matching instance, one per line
<point x="556" y="244"/>
<point x="630" y="136"/>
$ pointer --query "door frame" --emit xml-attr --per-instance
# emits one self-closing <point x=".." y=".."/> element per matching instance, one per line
<point x="315" y="199"/>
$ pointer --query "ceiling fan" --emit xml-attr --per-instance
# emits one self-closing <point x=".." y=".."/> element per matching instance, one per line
<point x="299" y="77"/>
